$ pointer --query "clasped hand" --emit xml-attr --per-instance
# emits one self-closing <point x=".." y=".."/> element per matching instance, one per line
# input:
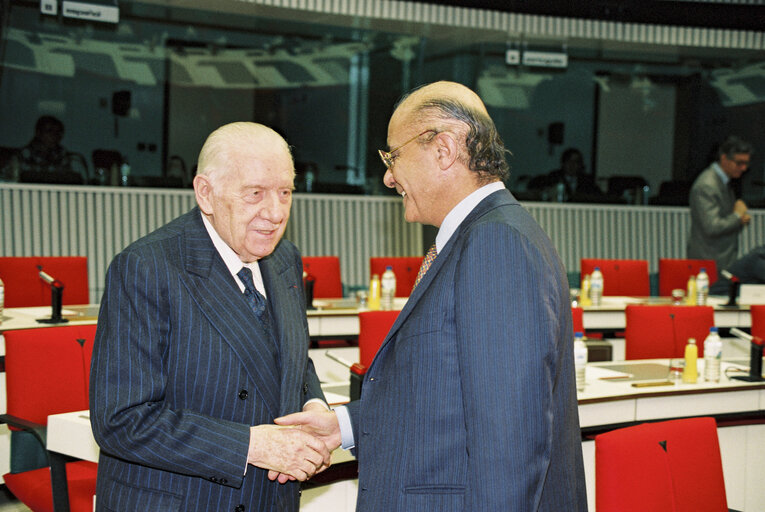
<point x="297" y="447"/>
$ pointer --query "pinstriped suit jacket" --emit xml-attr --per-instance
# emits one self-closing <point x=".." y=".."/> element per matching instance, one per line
<point x="470" y="403"/>
<point x="181" y="369"/>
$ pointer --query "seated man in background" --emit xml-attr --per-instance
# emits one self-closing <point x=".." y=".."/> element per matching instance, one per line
<point x="717" y="217"/>
<point x="569" y="183"/>
<point x="44" y="153"/>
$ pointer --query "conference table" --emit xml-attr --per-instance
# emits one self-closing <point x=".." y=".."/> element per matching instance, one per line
<point x="616" y="394"/>
<point x="340" y="317"/>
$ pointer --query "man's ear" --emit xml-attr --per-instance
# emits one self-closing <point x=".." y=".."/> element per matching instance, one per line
<point x="203" y="191"/>
<point x="448" y="149"/>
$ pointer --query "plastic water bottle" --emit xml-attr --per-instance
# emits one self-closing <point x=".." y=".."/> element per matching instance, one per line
<point x="374" y="292"/>
<point x="2" y="300"/>
<point x="580" y="360"/>
<point x="596" y="287"/>
<point x="702" y="287"/>
<point x="712" y="356"/>
<point x="691" y="371"/>
<point x="124" y="173"/>
<point x="388" y="288"/>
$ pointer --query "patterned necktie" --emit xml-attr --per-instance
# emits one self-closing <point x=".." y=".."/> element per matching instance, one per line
<point x="254" y="298"/>
<point x="426" y="262"/>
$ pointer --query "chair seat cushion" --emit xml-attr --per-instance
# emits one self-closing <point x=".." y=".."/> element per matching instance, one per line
<point x="33" y="488"/>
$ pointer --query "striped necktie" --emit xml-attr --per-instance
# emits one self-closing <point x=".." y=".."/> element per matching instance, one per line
<point x="426" y="262"/>
<point x="255" y="299"/>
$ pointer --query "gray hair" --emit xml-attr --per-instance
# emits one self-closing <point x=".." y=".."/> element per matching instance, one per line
<point x="485" y="149"/>
<point x="734" y="145"/>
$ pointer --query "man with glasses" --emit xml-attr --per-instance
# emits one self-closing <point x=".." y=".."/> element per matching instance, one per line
<point x="470" y="403"/>
<point x="717" y="217"/>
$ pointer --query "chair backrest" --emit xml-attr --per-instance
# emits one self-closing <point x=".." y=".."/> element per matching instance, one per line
<point x="405" y="268"/>
<point x="577" y="315"/>
<point x="326" y="273"/>
<point x="620" y="277"/>
<point x="47" y="370"/>
<point x="663" y="331"/>
<point x="23" y="286"/>
<point x="669" y="466"/>
<point x="373" y="327"/>
<point x="758" y="320"/>
<point x="674" y="273"/>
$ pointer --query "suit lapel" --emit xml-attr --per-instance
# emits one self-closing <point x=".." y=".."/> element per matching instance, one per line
<point x="495" y="199"/>
<point x="221" y="301"/>
<point x="282" y="287"/>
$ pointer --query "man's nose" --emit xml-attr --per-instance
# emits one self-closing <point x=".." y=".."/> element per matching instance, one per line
<point x="388" y="179"/>
<point x="272" y="208"/>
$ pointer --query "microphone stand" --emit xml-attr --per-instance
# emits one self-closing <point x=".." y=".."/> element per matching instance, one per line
<point x="56" y="293"/>
<point x="755" y="356"/>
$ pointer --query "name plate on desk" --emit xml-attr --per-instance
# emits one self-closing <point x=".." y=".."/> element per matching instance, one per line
<point x="751" y="294"/>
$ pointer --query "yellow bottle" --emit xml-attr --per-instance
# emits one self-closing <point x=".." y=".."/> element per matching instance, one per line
<point x="691" y="372"/>
<point x="374" y="292"/>
<point x="690" y="296"/>
<point x="584" y="292"/>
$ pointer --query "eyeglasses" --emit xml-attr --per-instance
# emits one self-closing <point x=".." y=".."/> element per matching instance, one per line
<point x="739" y="162"/>
<point x="388" y="157"/>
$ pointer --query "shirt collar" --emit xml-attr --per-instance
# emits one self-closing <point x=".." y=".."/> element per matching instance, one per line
<point x="724" y="177"/>
<point x="231" y="259"/>
<point x="455" y="217"/>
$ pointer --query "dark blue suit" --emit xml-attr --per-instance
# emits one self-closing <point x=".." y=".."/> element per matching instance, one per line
<point x="470" y="403"/>
<point x="181" y="369"/>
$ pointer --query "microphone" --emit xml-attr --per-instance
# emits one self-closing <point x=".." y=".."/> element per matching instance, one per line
<point x="56" y="293"/>
<point x="733" y="286"/>
<point x="755" y="356"/>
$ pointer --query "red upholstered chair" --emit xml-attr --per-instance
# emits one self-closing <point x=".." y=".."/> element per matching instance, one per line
<point x="405" y="268"/>
<point x="326" y="273"/>
<point x="23" y="286"/>
<point x="577" y="315"/>
<point x="373" y="327"/>
<point x="47" y="372"/>
<point x="758" y="320"/>
<point x="670" y="466"/>
<point x="674" y="273"/>
<point x="663" y="331"/>
<point x="620" y="277"/>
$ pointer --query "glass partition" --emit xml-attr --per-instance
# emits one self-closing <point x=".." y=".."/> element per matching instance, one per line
<point x="138" y="97"/>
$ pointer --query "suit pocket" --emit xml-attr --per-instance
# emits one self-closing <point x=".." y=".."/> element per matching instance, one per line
<point x="427" y="498"/>
<point x="119" y="497"/>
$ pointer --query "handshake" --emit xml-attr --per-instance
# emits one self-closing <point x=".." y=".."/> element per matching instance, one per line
<point x="298" y="446"/>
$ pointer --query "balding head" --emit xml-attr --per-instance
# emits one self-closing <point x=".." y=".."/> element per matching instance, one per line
<point x="449" y="106"/>
<point x="244" y="187"/>
<point x="235" y="141"/>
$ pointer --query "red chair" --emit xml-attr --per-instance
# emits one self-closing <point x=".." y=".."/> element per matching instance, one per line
<point x="758" y="320"/>
<point x="627" y="278"/>
<point x="326" y="273"/>
<point x="670" y="466"/>
<point x="47" y="372"/>
<point x="662" y="331"/>
<point x="577" y="315"/>
<point x="23" y="286"/>
<point x="373" y="327"/>
<point x="674" y="273"/>
<point x="405" y="268"/>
